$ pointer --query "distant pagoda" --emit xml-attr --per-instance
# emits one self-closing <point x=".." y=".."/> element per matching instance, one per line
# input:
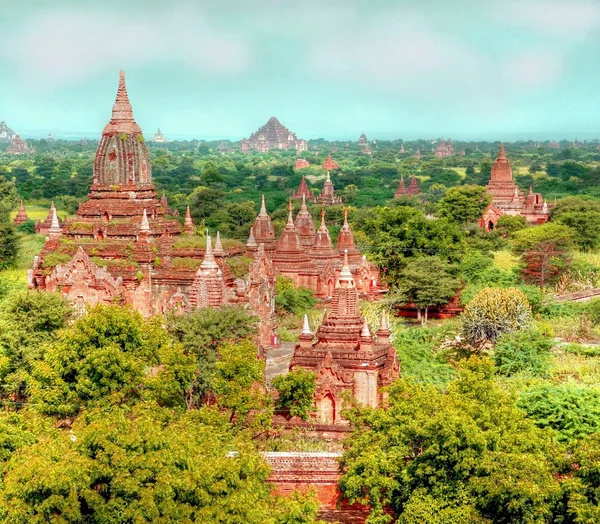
<point x="273" y="135"/>
<point x="6" y="133"/>
<point x="330" y="164"/>
<point x="19" y="146"/>
<point x="21" y="215"/>
<point x="412" y="189"/>
<point x="159" y="138"/>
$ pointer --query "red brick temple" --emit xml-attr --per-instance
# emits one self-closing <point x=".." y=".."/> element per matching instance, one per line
<point x="125" y="246"/>
<point x="19" y="146"/>
<point x="412" y="189"/>
<point x="273" y="135"/>
<point x="309" y="258"/>
<point x="304" y="192"/>
<point x="508" y="199"/>
<point x="21" y="215"/>
<point x="301" y="164"/>
<point x="330" y="164"/>
<point x="345" y="355"/>
<point x="328" y="196"/>
<point x="444" y="149"/>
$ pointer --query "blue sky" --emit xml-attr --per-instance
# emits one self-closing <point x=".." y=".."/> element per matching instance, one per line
<point x="394" y="69"/>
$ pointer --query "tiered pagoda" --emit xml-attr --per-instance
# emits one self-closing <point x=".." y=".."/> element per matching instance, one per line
<point x="124" y="244"/>
<point x="328" y="196"/>
<point x="412" y="189"/>
<point x="6" y="133"/>
<point x="508" y="199"/>
<point x="303" y="192"/>
<point x="18" y="146"/>
<point x="330" y="164"/>
<point x="345" y="355"/>
<point x="158" y="138"/>
<point x="308" y="258"/>
<point x="273" y="135"/>
<point x="21" y="215"/>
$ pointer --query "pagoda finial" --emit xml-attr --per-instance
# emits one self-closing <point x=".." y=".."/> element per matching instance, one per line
<point x="55" y="226"/>
<point x="251" y="240"/>
<point x="345" y="279"/>
<point x="346" y="217"/>
<point x="290" y="221"/>
<point x="218" y="245"/>
<point x="188" y="224"/>
<point x="502" y="153"/>
<point x="323" y="216"/>
<point x="384" y="322"/>
<point x="145" y="226"/>
<point x="209" y="257"/>
<point x="328" y="177"/>
<point x="122" y="111"/>
<point x="303" y="206"/>
<point x="531" y="190"/>
<point x="263" y="208"/>
<point x="306" y="326"/>
<point x="365" y="333"/>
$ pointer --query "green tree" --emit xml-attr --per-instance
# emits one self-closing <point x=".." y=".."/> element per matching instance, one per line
<point x="464" y="204"/>
<point x="583" y="217"/>
<point x="508" y="224"/>
<point x="296" y="392"/>
<point x="291" y="299"/>
<point x="526" y="352"/>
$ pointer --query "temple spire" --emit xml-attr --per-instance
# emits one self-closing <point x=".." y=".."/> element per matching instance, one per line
<point x="218" y="246"/>
<point x="55" y="226"/>
<point x="290" y="222"/>
<point x="303" y="206"/>
<point x="145" y="226"/>
<point x="251" y="241"/>
<point x="305" y="326"/>
<point x="365" y="333"/>
<point x="502" y="153"/>
<point x="345" y="279"/>
<point x="188" y="224"/>
<point x="209" y="258"/>
<point x="263" y="208"/>
<point x="122" y="111"/>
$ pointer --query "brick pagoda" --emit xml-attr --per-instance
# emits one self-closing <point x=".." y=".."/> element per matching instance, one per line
<point x="330" y="164"/>
<point x="346" y="356"/>
<point x="21" y="215"/>
<point x="273" y="135"/>
<point x="508" y="199"/>
<point x="303" y="191"/>
<point x="19" y="146"/>
<point x="328" y="196"/>
<point x="412" y="189"/>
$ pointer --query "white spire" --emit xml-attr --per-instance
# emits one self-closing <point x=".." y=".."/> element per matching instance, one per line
<point x="55" y="226"/>
<point x="303" y="207"/>
<point x="385" y="324"/>
<point x="209" y="258"/>
<point x="218" y="246"/>
<point x="290" y="222"/>
<point x="545" y="207"/>
<point x="306" y="327"/>
<point x="251" y="241"/>
<point x="365" y="333"/>
<point x="263" y="208"/>
<point x="345" y="279"/>
<point x="145" y="226"/>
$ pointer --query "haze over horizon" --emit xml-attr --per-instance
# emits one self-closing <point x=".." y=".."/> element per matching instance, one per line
<point x="470" y="70"/>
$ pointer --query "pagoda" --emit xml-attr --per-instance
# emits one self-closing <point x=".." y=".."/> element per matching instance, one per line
<point x="124" y="242"/>
<point x="362" y="140"/>
<point x="305" y="225"/>
<point x="303" y="192"/>
<point x="158" y="138"/>
<point x="444" y="149"/>
<point x="345" y="355"/>
<point x="273" y="135"/>
<point x="42" y="227"/>
<point x="412" y="189"/>
<point x="328" y="196"/>
<point x="508" y="199"/>
<point x="18" y="146"/>
<point x="50" y="139"/>
<point x="330" y="164"/>
<point x="6" y="133"/>
<point x="21" y="215"/>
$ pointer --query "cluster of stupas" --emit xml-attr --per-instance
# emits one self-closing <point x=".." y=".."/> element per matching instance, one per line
<point x="122" y="245"/>
<point x="345" y="355"/>
<point x="508" y="199"/>
<point x="412" y="189"/>
<point x="307" y="256"/>
<point x="327" y="197"/>
<point x="273" y="135"/>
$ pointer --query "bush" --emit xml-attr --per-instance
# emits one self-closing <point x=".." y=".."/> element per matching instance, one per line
<point x="27" y="227"/>
<point x="494" y="312"/>
<point x="574" y="411"/>
<point x="296" y="392"/>
<point x="291" y="299"/>
<point x="527" y="352"/>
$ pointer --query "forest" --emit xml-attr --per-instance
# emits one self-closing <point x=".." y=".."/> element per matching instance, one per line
<point x="112" y="417"/>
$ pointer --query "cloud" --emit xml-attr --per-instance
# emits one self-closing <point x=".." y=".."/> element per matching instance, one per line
<point x="533" y="68"/>
<point x="62" y="46"/>
<point x="572" y="18"/>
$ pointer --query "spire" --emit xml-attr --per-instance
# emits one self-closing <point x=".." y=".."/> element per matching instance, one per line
<point x="122" y="111"/>
<point x="251" y="241"/>
<point x="209" y="258"/>
<point x="346" y="218"/>
<point x="545" y="207"/>
<point x="345" y="279"/>
<point x="328" y="177"/>
<point x="55" y="226"/>
<point x="263" y="208"/>
<point x="385" y="325"/>
<point x="306" y="327"/>
<point x="290" y="222"/>
<point x="303" y="206"/>
<point x="218" y="246"/>
<point x="365" y="333"/>
<point x="145" y="226"/>
<point x="188" y="224"/>
<point x="323" y="226"/>
<point x="531" y="190"/>
<point x="502" y="153"/>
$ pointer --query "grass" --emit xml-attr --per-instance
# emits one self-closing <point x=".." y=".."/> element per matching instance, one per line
<point x="573" y="368"/>
<point x="40" y="212"/>
<point x="505" y="260"/>
<point x="29" y="247"/>
<point x="587" y="258"/>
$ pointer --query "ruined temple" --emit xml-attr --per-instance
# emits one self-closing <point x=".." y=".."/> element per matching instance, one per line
<point x="345" y="355"/>
<point x="508" y="199"/>
<point x="308" y="257"/>
<point x="273" y="135"/>
<point x="301" y="164"/>
<point x="412" y="189"/>
<point x="444" y="149"/>
<point x="124" y="245"/>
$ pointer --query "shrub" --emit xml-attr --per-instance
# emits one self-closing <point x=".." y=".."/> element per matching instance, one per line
<point x="574" y="411"/>
<point x="296" y="392"/>
<point x="291" y="299"/>
<point x="494" y="312"/>
<point x="526" y="352"/>
<point x="27" y="227"/>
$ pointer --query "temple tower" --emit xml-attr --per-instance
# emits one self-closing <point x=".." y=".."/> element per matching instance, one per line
<point x="305" y="225"/>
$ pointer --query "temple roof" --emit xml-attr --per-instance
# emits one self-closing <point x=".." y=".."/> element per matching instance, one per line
<point x="122" y="113"/>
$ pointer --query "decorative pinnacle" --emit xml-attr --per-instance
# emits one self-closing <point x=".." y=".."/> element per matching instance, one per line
<point x="345" y="274"/>
<point x="263" y="208"/>
<point x="323" y="216"/>
<point x="306" y="327"/>
<point x="251" y="241"/>
<point x="187" y="221"/>
<point x="365" y="333"/>
<point x="218" y="246"/>
<point x="328" y="177"/>
<point x="502" y="153"/>
<point x="55" y="226"/>
<point x="385" y="324"/>
<point x="145" y="226"/>
<point x="209" y="257"/>
<point x="122" y="111"/>
<point x="290" y="222"/>
<point x="303" y="206"/>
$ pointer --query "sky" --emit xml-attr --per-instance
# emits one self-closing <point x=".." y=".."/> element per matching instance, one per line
<point x="495" y="70"/>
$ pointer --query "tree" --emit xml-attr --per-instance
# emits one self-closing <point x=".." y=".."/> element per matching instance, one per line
<point x="508" y="224"/>
<point x="296" y="392"/>
<point x="464" y="204"/>
<point x="9" y="245"/>
<point x="544" y="251"/>
<point x="292" y="299"/>
<point x="206" y="202"/>
<point x="494" y="312"/>
<point x="523" y="352"/>
<point x="583" y="217"/>
<point x="485" y="169"/>
<point x="425" y="282"/>
<point x="467" y="454"/>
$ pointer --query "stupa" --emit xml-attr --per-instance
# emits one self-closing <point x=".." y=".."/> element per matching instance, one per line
<point x="345" y="355"/>
<point x="21" y="215"/>
<point x="362" y="140"/>
<point x="158" y="138"/>
<point x="508" y="199"/>
<point x="42" y="227"/>
<point x="412" y="189"/>
<point x="303" y="192"/>
<point x="328" y="196"/>
<point x="330" y="164"/>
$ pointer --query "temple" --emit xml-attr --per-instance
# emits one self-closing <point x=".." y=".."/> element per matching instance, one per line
<point x="444" y="149"/>
<point x="328" y="196"/>
<point x="307" y="256"/>
<point x="345" y="355"/>
<point x="125" y="245"/>
<point x="18" y="146"/>
<point x="158" y="138"/>
<point x="6" y="133"/>
<point x="21" y="215"/>
<point x="303" y="192"/>
<point x="330" y="164"/>
<point x="412" y="189"/>
<point x="301" y="164"/>
<point x="362" y="140"/>
<point x="508" y="199"/>
<point x="273" y="135"/>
